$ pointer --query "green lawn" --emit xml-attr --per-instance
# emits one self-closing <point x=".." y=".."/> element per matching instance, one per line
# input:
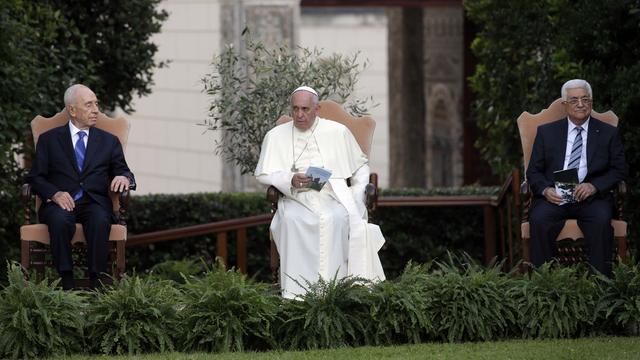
<point x="581" y="349"/>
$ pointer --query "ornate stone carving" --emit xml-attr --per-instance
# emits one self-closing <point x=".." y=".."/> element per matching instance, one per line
<point x="271" y="25"/>
<point x="443" y="78"/>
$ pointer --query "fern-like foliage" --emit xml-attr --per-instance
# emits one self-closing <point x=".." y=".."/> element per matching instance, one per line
<point x="177" y="270"/>
<point x="621" y="300"/>
<point x="332" y="313"/>
<point x="137" y="315"/>
<point x="557" y="302"/>
<point x="400" y="308"/>
<point x="38" y="320"/>
<point x="469" y="302"/>
<point x="226" y="311"/>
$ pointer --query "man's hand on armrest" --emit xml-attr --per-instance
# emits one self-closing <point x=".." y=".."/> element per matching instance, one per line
<point x="120" y="183"/>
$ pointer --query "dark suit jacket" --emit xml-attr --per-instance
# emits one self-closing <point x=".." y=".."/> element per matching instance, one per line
<point x="54" y="167"/>
<point x="606" y="165"/>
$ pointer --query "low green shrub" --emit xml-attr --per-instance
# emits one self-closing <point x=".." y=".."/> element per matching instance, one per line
<point x="408" y="236"/>
<point x="178" y="270"/>
<point x="333" y="313"/>
<point x="226" y="311"/>
<point x="223" y="310"/>
<point x="136" y="315"/>
<point x="423" y="234"/>
<point x="155" y="212"/>
<point x="621" y="299"/>
<point x="38" y="320"/>
<point x="470" y="302"/>
<point x="557" y="302"/>
<point x="399" y="308"/>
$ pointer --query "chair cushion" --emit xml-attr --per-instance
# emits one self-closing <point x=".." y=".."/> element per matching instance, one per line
<point x="40" y="233"/>
<point x="572" y="231"/>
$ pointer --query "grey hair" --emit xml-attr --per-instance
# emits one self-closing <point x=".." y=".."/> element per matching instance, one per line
<point x="575" y="84"/>
<point x="70" y="93"/>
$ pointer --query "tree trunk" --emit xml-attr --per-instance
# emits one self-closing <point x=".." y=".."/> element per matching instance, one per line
<point x="407" y="105"/>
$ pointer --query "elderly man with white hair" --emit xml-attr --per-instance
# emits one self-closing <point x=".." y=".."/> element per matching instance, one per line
<point x="74" y="168"/>
<point x="318" y="233"/>
<point x="595" y="150"/>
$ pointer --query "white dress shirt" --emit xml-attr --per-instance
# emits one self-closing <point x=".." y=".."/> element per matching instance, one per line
<point x="571" y="137"/>
<point x="74" y="134"/>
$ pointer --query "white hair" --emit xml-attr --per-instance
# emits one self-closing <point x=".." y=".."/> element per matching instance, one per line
<point x="575" y="84"/>
<point x="70" y="93"/>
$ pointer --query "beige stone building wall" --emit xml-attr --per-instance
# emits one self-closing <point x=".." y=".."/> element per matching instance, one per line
<point x="167" y="150"/>
<point x="170" y="153"/>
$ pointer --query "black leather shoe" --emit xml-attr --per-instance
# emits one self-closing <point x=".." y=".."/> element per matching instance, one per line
<point x="96" y="281"/>
<point x="67" y="280"/>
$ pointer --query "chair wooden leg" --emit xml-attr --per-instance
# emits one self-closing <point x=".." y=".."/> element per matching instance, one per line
<point x="25" y="254"/>
<point x="622" y="248"/>
<point x="526" y="255"/>
<point x="120" y="260"/>
<point x="525" y="266"/>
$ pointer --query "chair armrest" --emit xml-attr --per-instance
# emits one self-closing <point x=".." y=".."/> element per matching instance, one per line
<point x="620" y="194"/>
<point x="273" y="194"/>
<point x="371" y="197"/>
<point x="524" y="189"/>
<point x="25" y="194"/>
<point x="525" y="193"/>
<point x="26" y="198"/>
<point x="124" y="198"/>
<point x="123" y="206"/>
<point x="621" y="189"/>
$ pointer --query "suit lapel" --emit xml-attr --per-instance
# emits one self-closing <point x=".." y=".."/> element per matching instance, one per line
<point x="64" y="137"/>
<point x="93" y="144"/>
<point x="561" y="143"/>
<point x="593" y="138"/>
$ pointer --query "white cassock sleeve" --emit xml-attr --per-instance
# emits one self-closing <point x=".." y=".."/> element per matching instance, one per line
<point x="280" y="179"/>
<point x="359" y="182"/>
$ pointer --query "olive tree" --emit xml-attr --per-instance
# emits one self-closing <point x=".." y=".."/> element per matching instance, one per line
<point x="250" y="90"/>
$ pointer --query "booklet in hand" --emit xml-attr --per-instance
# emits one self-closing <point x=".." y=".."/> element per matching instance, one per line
<point x="566" y="182"/>
<point x="319" y="177"/>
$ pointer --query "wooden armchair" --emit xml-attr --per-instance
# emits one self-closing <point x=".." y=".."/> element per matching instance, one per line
<point x="34" y="238"/>
<point x="569" y="252"/>
<point x="362" y="129"/>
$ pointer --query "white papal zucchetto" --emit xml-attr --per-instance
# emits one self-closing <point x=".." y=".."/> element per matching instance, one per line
<point x="305" y="88"/>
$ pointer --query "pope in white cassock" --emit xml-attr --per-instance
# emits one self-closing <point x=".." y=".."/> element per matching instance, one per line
<point x="318" y="233"/>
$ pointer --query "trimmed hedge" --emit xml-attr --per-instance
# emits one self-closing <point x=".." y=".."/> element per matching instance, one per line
<point x="413" y="233"/>
<point x="149" y="213"/>
<point x="223" y="310"/>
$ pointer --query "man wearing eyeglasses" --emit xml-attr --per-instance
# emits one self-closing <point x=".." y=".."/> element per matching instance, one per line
<point x="592" y="147"/>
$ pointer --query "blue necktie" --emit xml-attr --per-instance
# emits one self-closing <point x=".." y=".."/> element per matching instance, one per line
<point x="80" y="150"/>
<point x="576" y="151"/>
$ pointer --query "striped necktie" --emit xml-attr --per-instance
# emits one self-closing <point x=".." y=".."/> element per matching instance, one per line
<point x="80" y="150"/>
<point x="576" y="151"/>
